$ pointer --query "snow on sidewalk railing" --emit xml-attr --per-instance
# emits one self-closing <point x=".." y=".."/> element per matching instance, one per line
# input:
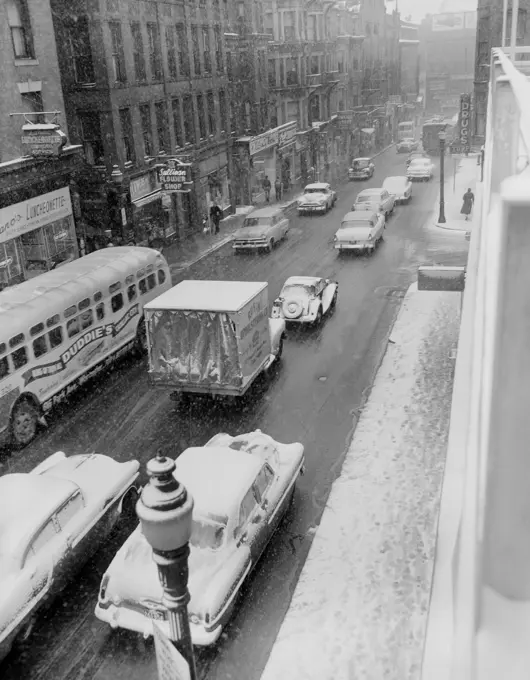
<point x="479" y="619"/>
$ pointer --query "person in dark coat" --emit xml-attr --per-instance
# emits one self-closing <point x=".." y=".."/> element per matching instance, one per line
<point x="267" y="188"/>
<point x="278" y="189"/>
<point x="215" y="214"/>
<point x="467" y="205"/>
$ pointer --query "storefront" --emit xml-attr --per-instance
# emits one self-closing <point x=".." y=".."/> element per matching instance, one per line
<point x="302" y="158"/>
<point x="287" y="170"/>
<point x="36" y="236"/>
<point x="150" y="212"/>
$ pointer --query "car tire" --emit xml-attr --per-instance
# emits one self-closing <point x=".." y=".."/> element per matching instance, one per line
<point x="333" y="303"/>
<point x="24" y="424"/>
<point x="270" y="247"/>
<point x="280" y="350"/>
<point x="318" y="318"/>
<point x="128" y="506"/>
<point x="26" y="631"/>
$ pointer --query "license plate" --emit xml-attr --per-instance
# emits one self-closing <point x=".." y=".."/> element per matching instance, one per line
<point x="154" y="614"/>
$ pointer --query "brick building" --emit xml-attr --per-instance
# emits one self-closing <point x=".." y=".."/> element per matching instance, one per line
<point x="38" y="194"/>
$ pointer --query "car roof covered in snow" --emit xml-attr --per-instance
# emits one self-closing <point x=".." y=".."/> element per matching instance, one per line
<point x="397" y="179"/>
<point x="217" y="477"/>
<point x="360" y="216"/>
<point x="370" y="192"/>
<point x="302" y="281"/>
<point x="317" y="185"/>
<point x="207" y="296"/>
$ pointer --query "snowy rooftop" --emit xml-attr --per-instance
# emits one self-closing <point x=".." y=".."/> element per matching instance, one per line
<point x="211" y="296"/>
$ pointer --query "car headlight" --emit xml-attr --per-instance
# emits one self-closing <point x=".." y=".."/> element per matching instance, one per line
<point x="194" y="619"/>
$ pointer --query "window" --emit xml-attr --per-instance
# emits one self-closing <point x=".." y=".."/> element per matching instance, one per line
<point x="218" y="48"/>
<point x="4" y="367"/>
<point x="142" y="286"/>
<point x="161" y="276"/>
<point x="84" y="304"/>
<point x="16" y="340"/>
<point x="98" y="296"/>
<point x="177" y="123"/>
<point x="289" y="25"/>
<point x="127" y="136"/>
<point x="19" y="358"/>
<point x="189" y="119"/>
<point x="202" y="119"/>
<point x="272" y="73"/>
<point x="147" y="133"/>
<point x="212" y="121"/>
<point x="69" y="510"/>
<point x="81" y="51"/>
<point x="162" y="127"/>
<point x="131" y="293"/>
<point x="118" y="57"/>
<point x="55" y="337"/>
<point x="312" y="32"/>
<point x="151" y="281"/>
<point x="91" y="137"/>
<point x="171" y="55"/>
<point x="100" y="311"/>
<point x="45" y="535"/>
<point x="229" y="69"/>
<point x="206" y="49"/>
<point x="116" y="302"/>
<point x="247" y="508"/>
<point x="262" y="483"/>
<point x="40" y="346"/>
<point x="114" y="287"/>
<point x="222" y="110"/>
<point x="35" y="103"/>
<point x="72" y="327"/>
<point x="35" y="330"/>
<point x="138" y="51"/>
<point x="196" y="50"/>
<point x="182" y="48"/>
<point x="86" y="319"/>
<point x="19" y="25"/>
<point x="155" y="57"/>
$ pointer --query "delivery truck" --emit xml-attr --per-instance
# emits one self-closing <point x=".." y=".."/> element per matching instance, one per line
<point x="211" y="337"/>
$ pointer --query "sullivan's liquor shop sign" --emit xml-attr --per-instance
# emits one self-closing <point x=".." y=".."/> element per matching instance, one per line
<point x="84" y="340"/>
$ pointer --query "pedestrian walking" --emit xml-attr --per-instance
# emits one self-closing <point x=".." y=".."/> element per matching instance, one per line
<point x="267" y="188"/>
<point x="278" y="189"/>
<point x="215" y="215"/>
<point x="467" y="205"/>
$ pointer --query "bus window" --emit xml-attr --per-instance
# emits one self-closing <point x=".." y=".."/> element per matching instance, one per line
<point x="114" y="287"/>
<point x="16" y="340"/>
<point x="40" y="346"/>
<point x="4" y="367"/>
<point x="84" y="304"/>
<point x="116" y="302"/>
<point x="100" y="311"/>
<point x="70" y="311"/>
<point x="149" y="268"/>
<point x="2" y="347"/>
<point x="142" y="285"/>
<point x="53" y="320"/>
<point x="151" y="281"/>
<point x="129" y="280"/>
<point x="131" y="292"/>
<point x="87" y="319"/>
<point x="19" y="357"/>
<point x="72" y="327"/>
<point x="161" y="276"/>
<point x="140" y="273"/>
<point x="35" y="330"/>
<point x="55" y="336"/>
<point x="98" y="296"/>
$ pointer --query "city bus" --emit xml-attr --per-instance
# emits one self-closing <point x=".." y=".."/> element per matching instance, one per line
<point x="63" y="327"/>
<point x="406" y="130"/>
<point x="430" y="134"/>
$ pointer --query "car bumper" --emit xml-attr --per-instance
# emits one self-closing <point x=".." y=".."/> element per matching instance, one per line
<point x="250" y="245"/>
<point x="311" y="209"/>
<point x="355" y="246"/>
<point x="416" y="178"/>
<point x="123" y="617"/>
<point x="364" y="176"/>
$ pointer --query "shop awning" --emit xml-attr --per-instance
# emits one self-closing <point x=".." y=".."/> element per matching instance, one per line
<point x="155" y="196"/>
<point x="368" y="131"/>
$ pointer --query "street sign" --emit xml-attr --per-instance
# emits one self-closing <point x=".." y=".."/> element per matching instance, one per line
<point x="345" y="119"/>
<point x="175" y="176"/>
<point x="42" y="140"/>
<point x="170" y="662"/>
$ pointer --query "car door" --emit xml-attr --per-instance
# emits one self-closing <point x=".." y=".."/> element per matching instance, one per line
<point x="267" y="493"/>
<point x="285" y="225"/>
<point x="380" y="225"/>
<point x="249" y="524"/>
<point x="72" y="522"/>
<point x="327" y="295"/>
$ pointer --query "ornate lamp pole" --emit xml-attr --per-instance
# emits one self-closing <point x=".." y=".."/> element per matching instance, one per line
<point x="442" y="136"/>
<point x="165" y="511"/>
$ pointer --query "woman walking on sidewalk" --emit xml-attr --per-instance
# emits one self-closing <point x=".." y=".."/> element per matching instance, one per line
<point x="467" y="205"/>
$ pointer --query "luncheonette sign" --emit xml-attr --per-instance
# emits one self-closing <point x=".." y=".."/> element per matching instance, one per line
<point x="42" y="140"/>
<point x="20" y="218"/>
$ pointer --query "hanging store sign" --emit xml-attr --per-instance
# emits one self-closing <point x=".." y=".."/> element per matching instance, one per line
<point x="262" y="142"/>
<point x="287" y="135"/>
<point x="42" y="141"/>
<point x="175" y="177"/>
<point x="345" y="119"/>
<point x="20" y="218"/>
<point x="465" y="121"/>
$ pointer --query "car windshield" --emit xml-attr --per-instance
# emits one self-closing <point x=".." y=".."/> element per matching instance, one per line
<point x="357" y="224"/>
<point x="359" y="165"/>
<point x="297" y="290"/>
<point x="370" y="198"/>
<point x="207" y="534"/>
<point x="394" y="184"/>
<point x="257" y="222"/>
<point x="314" y="190"/>
<point x="420" y="161"/>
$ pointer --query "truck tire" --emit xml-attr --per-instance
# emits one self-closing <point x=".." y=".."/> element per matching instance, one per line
<point x="24" y="423"/>
<point x="141" y="339"/>
<point x="280" y="350"/>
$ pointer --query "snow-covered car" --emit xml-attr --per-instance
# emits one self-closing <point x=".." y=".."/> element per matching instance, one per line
<point x="317" y="198"/>
<point x="262" y="229"/>
<point x="51" y="521"/>
<point x="360" y="231"/>
<point x="420" y="169"/>
<point x="375" y="199"/>
<point x="413" y="156"/>
<point x="305" y="299"/>
<point x="362" y="168"/>
<point x="400" y="187"/>
<point x="241" y="487"/>
<point x="407" y="145"/>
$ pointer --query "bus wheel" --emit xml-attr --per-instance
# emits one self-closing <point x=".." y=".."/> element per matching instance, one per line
<point x="24" y="423"/>
<point x="141" y="339"/>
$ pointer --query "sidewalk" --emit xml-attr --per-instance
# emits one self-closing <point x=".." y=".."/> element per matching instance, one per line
<point x="359" y="609"/>
<point x="466" y="175"/>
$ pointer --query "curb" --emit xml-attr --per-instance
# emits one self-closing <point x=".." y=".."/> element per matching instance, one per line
<point x="441" y="226"/>
<point x="385" y="149"/>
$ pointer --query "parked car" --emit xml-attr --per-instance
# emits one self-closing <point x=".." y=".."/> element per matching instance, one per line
<point x="420" y="169"/>
<point x="375" y="199"/>
<point x="241" y="487"/>
<point x="362" y="168"/>
<point x="400" y="187"/>
<point x="262" y="229"/>
<point x="317" y="198"/>
<point x="407" y="145"/>
<point x="305" y="299"/>
<point x="51" y="521"/>
<point x="361" y="231"/>
<point x="414" y="155"/>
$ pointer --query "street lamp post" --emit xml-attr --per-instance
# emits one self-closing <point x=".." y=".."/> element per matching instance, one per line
<point x="441" y="216"/>
<point x="165" y="511"/>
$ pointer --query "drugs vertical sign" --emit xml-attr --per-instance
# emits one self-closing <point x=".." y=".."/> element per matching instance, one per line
<point x="175" y="177"/>
<point x="465" y="121"/>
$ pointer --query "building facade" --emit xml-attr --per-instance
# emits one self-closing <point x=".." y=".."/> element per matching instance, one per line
<point x="409" y="60"/>
<point x="447" y="50"/>
<point x="39" y="203"/>
<point x="489" y="34"/>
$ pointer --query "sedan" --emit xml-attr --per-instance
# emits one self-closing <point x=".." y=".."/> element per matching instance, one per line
<point x="407" y="145"/>
<point x="317" y="198"/>
<point x="362" y="168"/>
<point x="241" y="487"/>
<point x="420" y="170"/>
<point x="399" y="187"/>
<point x="262" y="229"/>
<point x="375" y="199"/>
<point x="305" y="299"/>
<point x="51" y="521"/>
<point x="360" y="231"/>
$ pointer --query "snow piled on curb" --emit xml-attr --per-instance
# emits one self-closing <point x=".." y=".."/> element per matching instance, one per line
<point x="360" y="606"/>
